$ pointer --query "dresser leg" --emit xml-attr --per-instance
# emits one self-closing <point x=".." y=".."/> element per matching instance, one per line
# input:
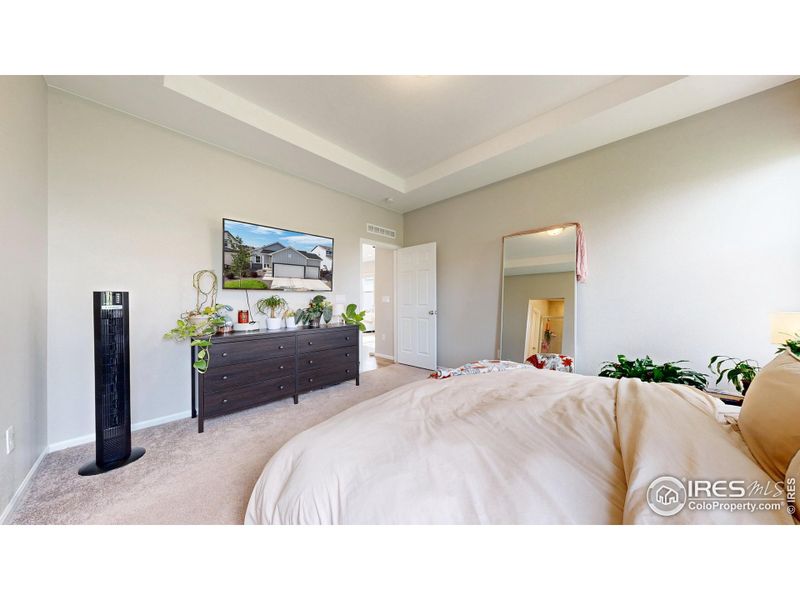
<point x="200" y="424"/>
<point x="296" y="398"/>
<point x="358" y="381"/>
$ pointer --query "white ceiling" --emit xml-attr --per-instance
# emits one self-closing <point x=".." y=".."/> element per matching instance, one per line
<point x="414" y="140"/>
<point x="407" y="124"/>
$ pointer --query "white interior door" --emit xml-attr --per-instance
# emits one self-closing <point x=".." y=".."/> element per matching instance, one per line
<point x="532" y="334"/>
<point x="416" y="306"/>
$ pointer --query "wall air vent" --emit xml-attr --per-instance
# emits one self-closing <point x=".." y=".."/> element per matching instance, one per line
<point x="382" y="231"/>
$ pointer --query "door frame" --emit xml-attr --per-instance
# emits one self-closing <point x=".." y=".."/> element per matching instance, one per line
<point x="385" y="246"/>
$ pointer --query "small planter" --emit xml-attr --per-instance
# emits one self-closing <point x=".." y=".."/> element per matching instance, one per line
<point x="198" y="320"/>
<point x="276" y="323"/>
<point x="290" y="324"/>
<point x="314" y="322"/>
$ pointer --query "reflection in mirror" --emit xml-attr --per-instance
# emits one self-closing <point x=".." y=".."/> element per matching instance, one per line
<point x="538" y="296"/>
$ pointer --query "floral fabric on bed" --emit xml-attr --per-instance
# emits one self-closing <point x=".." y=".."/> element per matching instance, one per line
<point x="552" y="362"/>
<point x="479" y="366"/>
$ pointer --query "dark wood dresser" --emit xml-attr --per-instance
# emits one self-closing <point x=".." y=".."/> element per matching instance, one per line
<point x="248" y="369"/>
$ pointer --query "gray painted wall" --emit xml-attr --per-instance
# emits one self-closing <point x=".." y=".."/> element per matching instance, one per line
<point x="691" y="231"/>
<point x="137" y="207"/>
<point x="23" y="246"/>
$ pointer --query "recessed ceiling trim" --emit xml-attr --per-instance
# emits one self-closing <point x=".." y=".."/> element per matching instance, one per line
<point x="210" y="94"/>
<point x="597" y="101"/>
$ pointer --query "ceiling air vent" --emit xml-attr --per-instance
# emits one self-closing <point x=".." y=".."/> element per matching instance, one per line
<point x="382" y="231"/>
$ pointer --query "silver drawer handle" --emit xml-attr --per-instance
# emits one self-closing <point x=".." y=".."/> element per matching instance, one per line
<point x="311" y="362"/>
<point x="347" y="370"/>
<point x="280" y="368"/>
<point x="310" y="343"/>
<point x="346" y="338"/>
<point x="224" y="378"/>
<point x="280" y="347"/>
<point x="281" y="387"/>
<point x="224" y="400"/>
<point x="347" y="354"/>
<point x="310" y="380"/>
<point x="224" y="354"/>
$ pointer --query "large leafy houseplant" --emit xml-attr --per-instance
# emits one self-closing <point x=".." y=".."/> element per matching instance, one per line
<point x="646" y="370"/>
<point x="199" y="331"/>
<point x="791" y="345"/>
<point x="739" y="372"/>
<point x="351" y="316"/>
<point x="201" y="322"/>
<point x="318" y="307"/>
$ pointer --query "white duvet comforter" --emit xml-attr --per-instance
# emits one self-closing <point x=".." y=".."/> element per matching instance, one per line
<point x="524" y="446"/>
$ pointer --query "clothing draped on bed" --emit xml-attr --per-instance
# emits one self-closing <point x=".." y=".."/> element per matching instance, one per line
<point x="513" y="447"/>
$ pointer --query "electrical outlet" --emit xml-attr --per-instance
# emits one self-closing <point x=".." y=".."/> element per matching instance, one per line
<point x="10" y="442"/>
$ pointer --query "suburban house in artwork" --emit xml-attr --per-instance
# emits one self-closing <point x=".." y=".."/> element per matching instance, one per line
<point x="326" y="254"/>
<point x="276" y="265"/>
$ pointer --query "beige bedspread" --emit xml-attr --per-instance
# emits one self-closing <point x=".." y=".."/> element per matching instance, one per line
<point x="514" y="447"/>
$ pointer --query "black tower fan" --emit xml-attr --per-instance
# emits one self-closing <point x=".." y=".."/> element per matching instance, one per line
<point x="112" y="384"/>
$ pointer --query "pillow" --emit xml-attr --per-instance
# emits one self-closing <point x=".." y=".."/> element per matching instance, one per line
<point x="770" y="417"/>
<point x="793" y="485"/>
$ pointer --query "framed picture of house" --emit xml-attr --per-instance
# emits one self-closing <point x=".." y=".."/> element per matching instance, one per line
<point x="259" y="257"/>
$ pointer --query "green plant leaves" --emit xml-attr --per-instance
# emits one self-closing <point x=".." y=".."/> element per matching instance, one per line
<point x="646" y="370"/>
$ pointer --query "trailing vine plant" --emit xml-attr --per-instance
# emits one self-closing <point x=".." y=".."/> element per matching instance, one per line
<point x="200" y="324"/>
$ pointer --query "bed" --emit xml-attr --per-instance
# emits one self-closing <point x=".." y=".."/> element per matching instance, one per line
<point x="523" y="446"/>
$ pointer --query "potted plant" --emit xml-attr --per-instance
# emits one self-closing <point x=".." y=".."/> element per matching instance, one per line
<point x="739" y="372"/>
<point x="314" y="312"/>
<point x="791" y="345"/>
<point x="200" y="323"/>
<point x="273" y="304"/>
<point x="351" y="316"/>
<point x="289" y="317"/>
<point x="327" y="311"/>
<point x="646" y="370"/>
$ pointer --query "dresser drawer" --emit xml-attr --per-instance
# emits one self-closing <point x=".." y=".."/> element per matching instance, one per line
<point x="232" y="376"/>
<point x="329" y="375"/>
<point x="231" y="353"/>
<point x="325" y="340"/>
<point x="249" y="395"/>
<point x="325" y="358"/>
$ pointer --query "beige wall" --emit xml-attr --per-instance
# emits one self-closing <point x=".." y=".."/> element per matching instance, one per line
<point x="23" y="246"/>
<point x="137" y="207"/>
<point x="384" y="311"/>
<point x="518" y="290"/>
<point x="691" y="231"/>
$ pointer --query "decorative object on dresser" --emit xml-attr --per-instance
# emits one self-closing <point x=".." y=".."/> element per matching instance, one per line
<point x="351" y="316"/>
<point x="202" y="322"/>
<point x="271" y="305"/>
<point x="249" y="369"/>
<point x="318" y="307"/>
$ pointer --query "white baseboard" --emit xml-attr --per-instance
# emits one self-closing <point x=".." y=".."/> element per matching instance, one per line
<point x="22" y="487"/>
<point x="386" y="356"/>
<point x="85" y="439"/>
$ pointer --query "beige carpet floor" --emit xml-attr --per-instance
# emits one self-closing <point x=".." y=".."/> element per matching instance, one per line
<point x="186" y="477"/>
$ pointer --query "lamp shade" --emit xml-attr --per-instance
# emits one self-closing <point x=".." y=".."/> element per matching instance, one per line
<point x="784" y="326"/>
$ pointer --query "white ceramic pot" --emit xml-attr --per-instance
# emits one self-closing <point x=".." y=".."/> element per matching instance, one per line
<point x="275" y="323"/>
<point x="198" y="320"/>
<point x="290" y="324"/>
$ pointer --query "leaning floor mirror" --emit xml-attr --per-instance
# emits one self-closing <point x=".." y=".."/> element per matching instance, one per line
<point x="537" y="314"/>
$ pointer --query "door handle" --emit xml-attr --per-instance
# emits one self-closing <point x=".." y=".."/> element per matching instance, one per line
<point x="433" y="312"/>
